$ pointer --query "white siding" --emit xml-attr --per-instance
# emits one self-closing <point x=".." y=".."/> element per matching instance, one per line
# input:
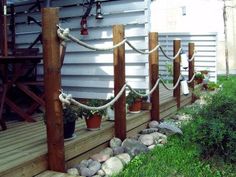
<point x="86" y="73"/>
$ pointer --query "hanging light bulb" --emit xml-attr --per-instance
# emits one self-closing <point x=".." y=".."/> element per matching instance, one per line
<point x="184" y="86"/>
<point x="184" y="60"/>
<point x="98" y="10"/>
<point x="84" y="27"/>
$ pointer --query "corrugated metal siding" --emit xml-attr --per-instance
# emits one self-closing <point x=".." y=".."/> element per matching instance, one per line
<point x="86" y="73"/>
<point x="205" y="45"/>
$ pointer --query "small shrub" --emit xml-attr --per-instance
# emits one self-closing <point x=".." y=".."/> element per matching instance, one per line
<point x="214" y="128"/>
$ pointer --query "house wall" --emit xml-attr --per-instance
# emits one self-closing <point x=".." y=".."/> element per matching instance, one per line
<point x="202" y="16"/>
<point x="86" y="73"/>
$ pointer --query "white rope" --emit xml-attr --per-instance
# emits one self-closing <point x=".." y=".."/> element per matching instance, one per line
<point x="191" y="80"/>
<point x="171" y="88"/>
<point x="141" y="51"/>
<point x="171" y="58"/>
<point x="67" y="36"/>
<point x="65" y="98"/>
<point x="147" y="94"/>
<point x="193" y="56"/>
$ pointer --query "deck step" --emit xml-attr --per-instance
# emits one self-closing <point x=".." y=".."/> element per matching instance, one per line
<point x="53" y="174"/>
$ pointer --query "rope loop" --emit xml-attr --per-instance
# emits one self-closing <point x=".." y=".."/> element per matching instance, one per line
<point x="168" y="57"/>
<point x="171" y="88"/>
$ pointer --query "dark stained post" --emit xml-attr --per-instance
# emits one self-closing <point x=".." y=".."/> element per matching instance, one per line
<point x="3" y="27"/>
<point x="52" y="81"/>
<point x="153" y="75"/>
<point x="119" y="81"/>
<point x="191" y="49"/>
<point x="176" y="65"/>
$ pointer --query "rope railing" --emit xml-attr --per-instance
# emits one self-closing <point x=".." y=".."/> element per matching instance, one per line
<point x="64" y="34"/>
<point x="171" y="88"/>
<point x="193" y="56"/>
<point x="168" y="57"/>
<point x="191" y="80"/>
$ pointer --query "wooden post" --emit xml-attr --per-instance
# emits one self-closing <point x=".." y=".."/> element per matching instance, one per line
<point x="52" y="81"/>
<point x="3" y="11"/>
<point x="153" y="75"/>
<point x="119" y="81"/>
<point x="176" y="65"/>
<point x="191" y="47"/>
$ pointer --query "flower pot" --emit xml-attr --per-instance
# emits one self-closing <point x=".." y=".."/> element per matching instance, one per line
<point x="199" y="80"/>
<point x="69" y="129"/>
<point x="136" y="106"/>
<point x="93" y="122"/>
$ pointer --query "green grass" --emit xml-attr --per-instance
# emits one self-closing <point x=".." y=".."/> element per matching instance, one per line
<point x="180" y="157"/>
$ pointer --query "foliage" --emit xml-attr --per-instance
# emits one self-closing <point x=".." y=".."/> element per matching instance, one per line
<point x="199" y="75"/>
<point x="70" y="114"/>
<point x="132" y="97"/>
<point x="214" y="127"/>
<point x="212" y="85"/>
<point x="86" y="113"/>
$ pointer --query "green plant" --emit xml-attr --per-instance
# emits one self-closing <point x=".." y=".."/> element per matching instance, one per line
<point x="199" y="75"/>
<point x="70" y="114"/>
<point x="86" y="113"/>
<point x="132" y="97"/>
<point x="212" y="85"/>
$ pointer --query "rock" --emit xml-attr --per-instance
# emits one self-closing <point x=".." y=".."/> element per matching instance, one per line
<point x="153" y="124"/>
<point x="84" y="163"/>
<point x="169" y="129"/>
<point x="100" y="157"/>
<point x="115" y="142"/>
<point x="96" y="176"/>
<point x="146" y="139"/>
<point x="134" y="147"/>
<point x="107" y="151"/>
<point x="149" y="130"/>
<point x="84" y="171"/>
<point x="157" y="136"/>
<point x="118" y="150"/>
<point x="151" y="146"/>
<point x="162" y="141"/>
<point x="112" y="166"/>
<point x="94" y="166"/>
<point x="101" y="172"/>
<point x="125" y="158"/>
<point x="73" y="171"/>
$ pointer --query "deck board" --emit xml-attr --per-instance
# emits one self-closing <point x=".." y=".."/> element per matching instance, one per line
<point x="23" y="148"/>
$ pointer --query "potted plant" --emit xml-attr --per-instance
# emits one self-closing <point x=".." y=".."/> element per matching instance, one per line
<point x="93" y="118"/>
<point x="134" y="102"/>
<point x="70" y="116"/>
<point x="212" y="86"/>
<point x="199" y="77"/>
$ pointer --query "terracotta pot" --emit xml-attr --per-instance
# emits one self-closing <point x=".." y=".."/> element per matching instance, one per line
<point x="93" y="122"/>
<point x="136" y="106"/>
<point x="199" y="80"/>
<point x="69" y="129"/>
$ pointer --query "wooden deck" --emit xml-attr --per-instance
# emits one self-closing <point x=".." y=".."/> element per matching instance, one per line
<point x="23" y="148"/>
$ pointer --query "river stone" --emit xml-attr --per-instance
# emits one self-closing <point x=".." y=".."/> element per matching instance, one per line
<point x="149" y="130"/>
<point x="84" y="163"/>
<point x="169" y="128"/>
<point x="151" y="146"/>
<point x="73" y="171"/>
<point x="134" y="147"/>
<point x="118" y="150"/>
<point x="84" y="171"/>
<point x="100" y="157"/>
<point x="146" y="139"/>
<point x="125" y="158"/>
<point x="112" y="166"/>
<point x="96" y="176"/>
<point x="94" y="166"/>
<point x="115" y="142"/>
<point x="101" y="172"/>
<point x="107" y="151"/>
<point x="153" y="124"/>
